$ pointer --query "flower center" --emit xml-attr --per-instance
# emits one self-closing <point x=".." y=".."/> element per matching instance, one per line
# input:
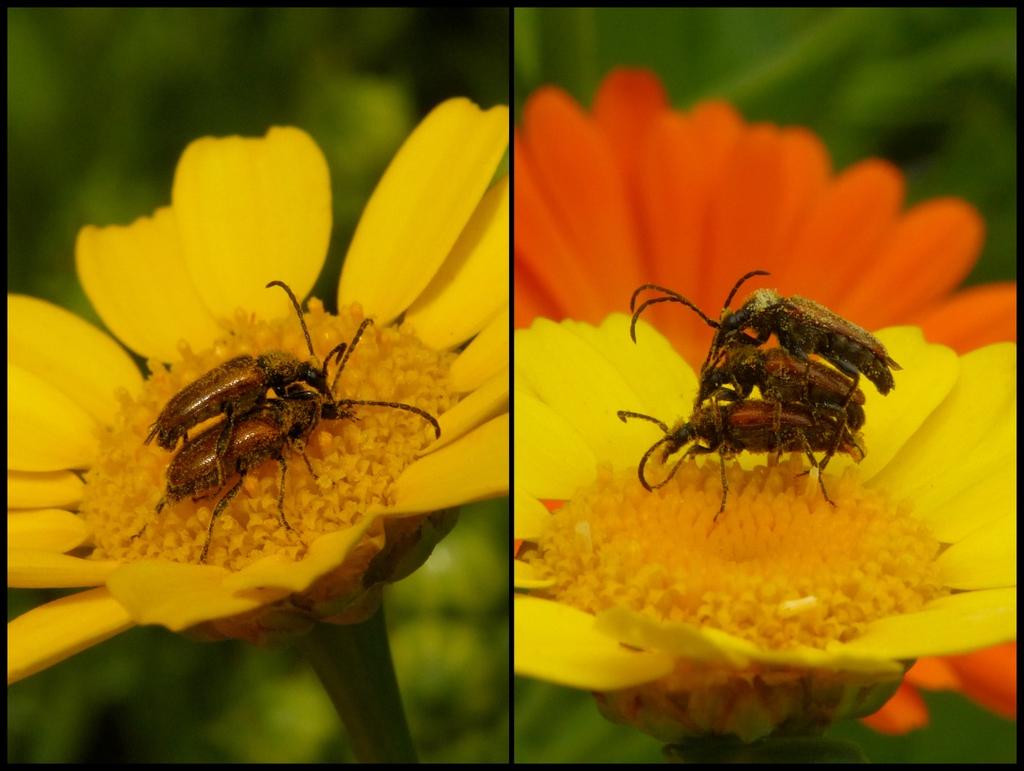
<point x="355" y="458"/>
<point x="780" y="566"/>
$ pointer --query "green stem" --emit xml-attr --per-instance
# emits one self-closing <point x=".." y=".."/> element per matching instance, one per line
<point x="353" y="661"/>
<point x="792" y="750"/>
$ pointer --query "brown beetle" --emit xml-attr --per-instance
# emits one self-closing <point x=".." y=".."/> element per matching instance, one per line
<point x="255" y="428"/>
<point x="201" y="467"/>
<point x="261" y="434"/>
<point x="781" y="379"/>
<point x="238" y="385"/>
<point x="748" y="425"/>
<point x="802" y="326"/>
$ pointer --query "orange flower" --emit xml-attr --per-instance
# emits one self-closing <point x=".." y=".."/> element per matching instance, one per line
<point x="988" y="677"/>
<point x="637" y="192"/>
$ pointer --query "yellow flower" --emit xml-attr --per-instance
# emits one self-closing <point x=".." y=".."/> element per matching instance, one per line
<point x="782" y="614"/>
<point x="428" y="263"/>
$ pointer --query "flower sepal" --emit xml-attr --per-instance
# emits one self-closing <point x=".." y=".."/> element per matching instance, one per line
<point x="746" y="706"/>
<point x="409" y="542"/>
<point x="270" y="625"/>
<point x="773" y="749"/>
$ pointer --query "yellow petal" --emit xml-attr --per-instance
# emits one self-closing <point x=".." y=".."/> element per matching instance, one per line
<point x="929" y="373"/>
<point x="251" y="211"/>
<point x="50" y="530"/>
<point x="525" y="577"/>
<point x="39" y="569"/>
<point x="58" y="630"/>
<point x="136" y="279"/>
<point x="659" y="378"/>
<point x="572" y="377"/>
<point x="71" y="355"/>
<point x="706" y="644"/>
<point x="530" y="516"/>
<point x="551" y="459"/>
<point x="985" y="559"/>
<point x="28" y="490"/>
<point x="277" y="572"/>
<point x="486" y="402"/>
<point x="959" y="489"/>
<point x="560" y="644"/>
<point x="485" y="356"/>
<point x="472" y="284"/>
<point x="955" y="624"/>
<point x="421" y="205"/>
<point x="46" y="430"/>
<point x="179" y="596"/>
<point x="472" y="469"/>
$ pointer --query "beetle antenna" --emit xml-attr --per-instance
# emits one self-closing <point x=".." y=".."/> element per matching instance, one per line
<point x="398" y="406"/>
<point x="670" y="299"/>
<point x="660" y="288"/>
<point x="739" y="283"/>
<point x="337" y="350"/>
<point x="669" y="438"/>
<point x="298" y="311"/>
<point x="623" y="414"/>
<point x="647" y="455"/>
<point x="719" y="354"/>
<point x="343" y="357"/>
<point x="715" y="351"/>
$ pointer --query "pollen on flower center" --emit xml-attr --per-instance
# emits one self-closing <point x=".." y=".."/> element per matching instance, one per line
<point x="355" y="459"/>
<point x="780" y="567"/>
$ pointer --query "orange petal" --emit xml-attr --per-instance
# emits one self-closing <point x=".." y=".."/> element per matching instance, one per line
<point x="926" y="255"/>
<point x="973" y="317"/>
<point x="904" y="712"/>
<point x="531" y="299"/>
<point x="578" y="174"/>
<point x="543" y="248"/>
<point x="685" y="157"/>
<point x="718" y="127"/>
<point x="626" y="105"/>
<point x="673" y="210"/>
<point x="805" y="175"/>
<point x="990" y="677"/>
<point x="844" y="231"/>
<point x="934" y="673"/>
<point x="744" y="216"/>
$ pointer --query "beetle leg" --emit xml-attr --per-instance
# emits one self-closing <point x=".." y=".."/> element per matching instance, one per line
<point x="217" y="512"/>
<point x="280" y="493"/>
<point x="300" y="446"/>
<point x="718" y="418"/>
<point x="223" y="441"/>
<point x="159" y="507"/>
<point x="725" y="485"/>
<point x="815" y="464"/>
<point x="842" y="423"/>
<point x="777" y="428"/>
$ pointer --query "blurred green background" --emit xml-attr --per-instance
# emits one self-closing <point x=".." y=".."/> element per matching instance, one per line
<point x="101" y="103"/>
<point x="932" y="90"/>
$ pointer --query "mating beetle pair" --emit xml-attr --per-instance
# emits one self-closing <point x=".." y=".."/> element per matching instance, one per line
<point x="807" y="406"/>
<point x="255" y="428"/>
